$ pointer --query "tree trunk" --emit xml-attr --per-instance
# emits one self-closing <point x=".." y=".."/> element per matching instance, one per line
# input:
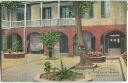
<point x="81" y="52"/>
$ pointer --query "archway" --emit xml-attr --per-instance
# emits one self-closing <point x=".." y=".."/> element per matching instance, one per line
<point x="13" y="38"/>
<point x="89" y="41"/>
<point x="62" y="45"/>
<point x="34" y="44"/>
<point x="113" y="42"/>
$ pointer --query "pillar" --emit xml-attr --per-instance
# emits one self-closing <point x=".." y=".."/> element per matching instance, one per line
<point x="98" y="43"/>
<point x="24" y="32"/>
<point x="70" y="46"/>
<point x="24" y="44"/>
<point x="41" y="8"/>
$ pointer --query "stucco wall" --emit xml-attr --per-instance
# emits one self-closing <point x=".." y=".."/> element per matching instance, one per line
<point x="35" y="12"/>
<point x="117" y="13"/>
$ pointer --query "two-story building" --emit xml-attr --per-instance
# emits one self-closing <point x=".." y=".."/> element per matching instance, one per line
<point x="104" y="26"/>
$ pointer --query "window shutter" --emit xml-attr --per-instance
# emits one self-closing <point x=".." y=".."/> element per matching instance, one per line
<point x="102" y="9"/>
<point x="105" y="8"/>
<point x="91" y="12"/>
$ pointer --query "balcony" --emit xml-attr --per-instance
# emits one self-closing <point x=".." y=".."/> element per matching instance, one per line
<point x="39" y="23"/>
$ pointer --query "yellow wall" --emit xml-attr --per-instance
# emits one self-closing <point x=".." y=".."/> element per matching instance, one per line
<point x="117" y="15"/>
<point x="35" y="12"/>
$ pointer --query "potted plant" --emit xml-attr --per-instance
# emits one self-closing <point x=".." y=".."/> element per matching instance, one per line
<point x="15" y="51"/>
<point x="16" y="47"/>
<point x="95" y="57"/>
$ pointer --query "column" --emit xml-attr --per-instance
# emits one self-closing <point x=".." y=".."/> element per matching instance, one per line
<point x="70" y="46"/>
<point x="98" y="43"/>
<point x="58" y="12"/>
<point x="25" y="10"/>
<point x="41" y="4"/>
<point x="10" y="18"/>
<point x="58" y="9"/>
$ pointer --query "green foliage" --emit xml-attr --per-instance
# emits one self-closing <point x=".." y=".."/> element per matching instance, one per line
<point x="63" y="73"/>
<point x="47" y="67"/>
<point x="85" y="5"/>
<point x="16" y="47"/>
<point x="50" y="38"/>
<point x="9" y="4"/>
<point x="58" y="74"/>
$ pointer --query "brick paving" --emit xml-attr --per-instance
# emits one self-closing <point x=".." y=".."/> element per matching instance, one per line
<point x="26" y="69"/>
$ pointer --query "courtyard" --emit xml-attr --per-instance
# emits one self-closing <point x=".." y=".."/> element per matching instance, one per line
<point x="25" y="69"/>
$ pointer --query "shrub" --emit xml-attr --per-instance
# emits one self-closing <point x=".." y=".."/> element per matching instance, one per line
<point x="58" y="74"/>
<point x="50" y="39"/>
<point x="47" y="68"/>
<point x="16" y="47"/>
<point x="63" y="73"/>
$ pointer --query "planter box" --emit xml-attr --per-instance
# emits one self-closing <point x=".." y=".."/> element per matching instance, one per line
<point x="14" y="55"/>
<point x="38" y="79"/>
<point x="97" y="59"/>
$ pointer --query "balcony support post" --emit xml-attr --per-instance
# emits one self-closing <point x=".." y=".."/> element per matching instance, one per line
<point x="10" y="18"/>
<point x="58" y="12"/>
<point x="25" y="10"/>
<point x="41" y="17"/>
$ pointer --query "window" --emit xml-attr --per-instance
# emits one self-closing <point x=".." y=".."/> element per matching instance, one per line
<point x="66" y="12"/>
<point x="89" y="13"/>
<point x="28" y="17"/>
<point x="47" y="13"/>
<point x="105" y="8"/>
<point x="20" y="14"/>
<point x="4" y="14"/>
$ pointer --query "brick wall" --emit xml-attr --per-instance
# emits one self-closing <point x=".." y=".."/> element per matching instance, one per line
<point x="69" y="31"/>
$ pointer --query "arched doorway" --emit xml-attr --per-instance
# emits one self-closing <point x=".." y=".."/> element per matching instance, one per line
<point x="89" y="41"/>
<point x="62" y="45"/>
<point x="13" y="38"/>
<point x="113" y="42"/>
<point x="34" y="44"/>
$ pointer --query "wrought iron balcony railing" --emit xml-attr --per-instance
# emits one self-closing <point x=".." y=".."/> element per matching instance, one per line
<point x="39" y="23"/>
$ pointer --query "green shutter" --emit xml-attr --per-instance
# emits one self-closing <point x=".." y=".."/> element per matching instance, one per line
<point x="123" y="45"/>
<point x="9" y="42"/>
<point x="4" y="43"/>
<point x="102" y="8"/>
<point x="105" y="45"/>
<point x="91" y="12"/>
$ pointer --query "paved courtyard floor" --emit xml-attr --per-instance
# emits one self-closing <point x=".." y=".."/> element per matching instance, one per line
<point x="27" y="68"/>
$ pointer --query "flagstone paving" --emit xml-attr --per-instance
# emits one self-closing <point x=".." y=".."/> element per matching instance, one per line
<point x="106" y="71"/>
<point x="26" y="69"/>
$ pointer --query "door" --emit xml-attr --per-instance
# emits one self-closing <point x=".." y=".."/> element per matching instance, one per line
<point x="9" y="42"/>
<point x="123" y="45"/>
<point x="105" y="45"/>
